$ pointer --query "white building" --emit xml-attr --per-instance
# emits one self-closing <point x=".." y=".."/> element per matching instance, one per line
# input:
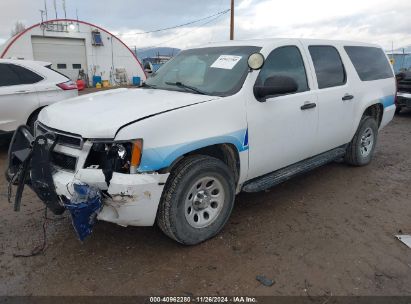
<point x="74" y="47"/>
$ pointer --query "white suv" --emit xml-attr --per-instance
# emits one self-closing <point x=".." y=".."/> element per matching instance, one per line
<point x="25" y="88"/>
<point x="214" y="121"/>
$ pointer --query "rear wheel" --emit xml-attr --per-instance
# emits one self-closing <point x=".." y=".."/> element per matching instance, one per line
<point x="197" y="200"/>
<point x="361" y="148"/>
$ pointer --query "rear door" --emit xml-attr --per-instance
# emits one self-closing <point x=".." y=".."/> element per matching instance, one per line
<point x="18" y="95"/>
<point x="336" y="99"/>
<point x="282" y="130"/>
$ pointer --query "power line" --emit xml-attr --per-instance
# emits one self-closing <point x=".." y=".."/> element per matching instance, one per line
<point x="185" y="24"/>
<point x="178" y="36"/>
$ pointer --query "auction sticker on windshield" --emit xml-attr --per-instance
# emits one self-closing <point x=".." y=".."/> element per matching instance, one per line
<point x="226" y="62"/>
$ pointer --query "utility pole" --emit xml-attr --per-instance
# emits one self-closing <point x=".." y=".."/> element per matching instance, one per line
<point x="232" y="21"/>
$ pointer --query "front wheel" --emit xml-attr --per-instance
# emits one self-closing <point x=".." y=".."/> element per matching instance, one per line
<point x="197" y="200"/>
<point x="361" y="148"/>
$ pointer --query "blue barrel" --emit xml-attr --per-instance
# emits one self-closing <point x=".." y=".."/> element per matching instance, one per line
<point x="96" y="79"/>
<point x="136" y="80"/>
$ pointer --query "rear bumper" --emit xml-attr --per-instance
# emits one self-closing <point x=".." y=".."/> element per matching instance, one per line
<point x="387" y="116"/>
<point x="404" y="99"/>
<point x="133" y="198"/>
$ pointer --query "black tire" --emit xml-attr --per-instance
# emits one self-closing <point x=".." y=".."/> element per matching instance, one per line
<point x="353" y="155"/>
<point x="32" y="120"/>
<point x="398" y="110"/>
<point x="171" y="216"/>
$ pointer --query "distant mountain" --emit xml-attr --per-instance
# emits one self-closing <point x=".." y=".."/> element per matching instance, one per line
<point x="153" y="52"/>
<point x="402" y="50"/>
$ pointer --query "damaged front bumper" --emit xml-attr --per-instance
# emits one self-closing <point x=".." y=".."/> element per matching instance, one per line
<point x="131" y="200"/>
<point x="128" y="199"/>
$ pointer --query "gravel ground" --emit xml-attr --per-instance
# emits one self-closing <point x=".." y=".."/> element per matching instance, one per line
<point x="329" y="232"/>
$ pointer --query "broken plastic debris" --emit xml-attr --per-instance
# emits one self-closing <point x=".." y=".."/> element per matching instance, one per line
<point x="406" y="239"/>
<point x="265" y="281"/>
<point x="84" y="206"/>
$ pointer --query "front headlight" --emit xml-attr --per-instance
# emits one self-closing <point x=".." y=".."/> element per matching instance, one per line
<point x="116" y="156"/>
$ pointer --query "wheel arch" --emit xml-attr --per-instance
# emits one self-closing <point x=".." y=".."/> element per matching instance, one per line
<point x="228" y="153"/>
<point x="36" y="111"/>
<point x="375" y="111"/>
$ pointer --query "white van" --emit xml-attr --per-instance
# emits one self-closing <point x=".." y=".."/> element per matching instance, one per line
<point x="214" y="121"/>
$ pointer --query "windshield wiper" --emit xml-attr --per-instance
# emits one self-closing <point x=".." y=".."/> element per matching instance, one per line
<point x="184" y="86"/>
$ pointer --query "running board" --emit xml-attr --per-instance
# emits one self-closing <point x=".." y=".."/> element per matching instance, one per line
<point x="274" y="178"/>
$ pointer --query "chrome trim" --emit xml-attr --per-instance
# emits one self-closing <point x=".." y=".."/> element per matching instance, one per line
<point x="66" y="134"/>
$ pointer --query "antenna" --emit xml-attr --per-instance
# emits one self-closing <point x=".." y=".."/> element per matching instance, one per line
<point x="64" y="8"/>
<point x="55" y="8"/>
<point x="45" y="9"/>
<point x="42" y="13"/>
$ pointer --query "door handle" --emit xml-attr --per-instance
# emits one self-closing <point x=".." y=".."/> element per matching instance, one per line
<point x="307" y="106"/>
<point x="22" y="91"/>
<point x="347" y="97"/>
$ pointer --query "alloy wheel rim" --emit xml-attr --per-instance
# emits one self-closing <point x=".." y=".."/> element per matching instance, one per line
<point x="367" y="142"/>
<point x="204" y="202"/>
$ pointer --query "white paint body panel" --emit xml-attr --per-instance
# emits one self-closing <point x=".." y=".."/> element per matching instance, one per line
<point x="172" y="124"/>
<point x="18" y="102"/>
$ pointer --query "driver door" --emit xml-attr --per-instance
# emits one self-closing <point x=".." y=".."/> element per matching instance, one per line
<point x="282" y="130"/>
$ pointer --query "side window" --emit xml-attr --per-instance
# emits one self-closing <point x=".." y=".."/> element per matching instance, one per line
<point x="328" y="66"/>
<point x="7" y="76"/>
<point x="26" y="76"/>
<point x="369" y="62"/>
<point x="285" y="61"/>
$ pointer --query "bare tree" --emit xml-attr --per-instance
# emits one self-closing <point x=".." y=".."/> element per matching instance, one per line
<point x="18" y="28"/>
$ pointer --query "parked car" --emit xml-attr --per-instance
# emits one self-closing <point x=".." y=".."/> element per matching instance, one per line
<point x="404" y="90"/>
<point x="213" y="121"/>
<point x="25" y="88"/>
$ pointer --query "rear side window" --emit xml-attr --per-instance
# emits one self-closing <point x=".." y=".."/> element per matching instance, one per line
<point x="26" y="76"/>
<point x="285" y="61"/>
<point x="328" y="66"/>
<point x="7" y="76"/>
<point x="369" y="62"/>
<point x="11" y="74"/>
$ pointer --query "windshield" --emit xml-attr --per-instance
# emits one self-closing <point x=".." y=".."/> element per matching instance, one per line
<point x="218" y="71"/>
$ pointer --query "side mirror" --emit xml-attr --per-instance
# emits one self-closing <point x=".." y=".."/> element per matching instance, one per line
<point x="275" y="85"/>
<point x="256" y="61"/>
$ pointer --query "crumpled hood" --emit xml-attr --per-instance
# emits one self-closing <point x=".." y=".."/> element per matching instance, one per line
<point x="101" y="114"/>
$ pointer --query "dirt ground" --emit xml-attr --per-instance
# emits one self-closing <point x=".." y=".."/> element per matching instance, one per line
<point x="329" y="232"/>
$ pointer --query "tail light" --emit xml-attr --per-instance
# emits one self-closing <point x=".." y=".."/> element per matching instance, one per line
<point x="68" y="85"/>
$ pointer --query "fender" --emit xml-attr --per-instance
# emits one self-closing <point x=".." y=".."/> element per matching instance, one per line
<point x="157" y="158"/>
<point x="385" y="101"/>
<point x="173" y="134"/>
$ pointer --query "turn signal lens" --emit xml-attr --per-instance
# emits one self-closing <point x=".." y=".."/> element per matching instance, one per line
<point x="137" y="149"/>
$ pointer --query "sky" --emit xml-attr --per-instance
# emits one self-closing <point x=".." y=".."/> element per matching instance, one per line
<point x="385" y="22"/>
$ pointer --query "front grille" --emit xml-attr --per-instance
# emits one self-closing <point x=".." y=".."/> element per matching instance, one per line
<point x="63" y="138"/>
<point x="64" y="161"/>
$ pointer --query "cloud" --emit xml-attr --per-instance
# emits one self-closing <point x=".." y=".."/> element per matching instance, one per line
<point x="381" y="21"/>
<point x="377" y="21"/>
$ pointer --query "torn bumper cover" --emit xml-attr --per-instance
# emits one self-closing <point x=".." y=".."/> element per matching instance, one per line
<point x="128" y="199"/>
